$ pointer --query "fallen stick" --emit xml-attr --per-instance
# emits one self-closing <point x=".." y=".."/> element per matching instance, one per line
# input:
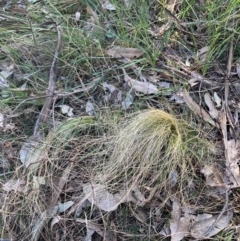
<point x="51" y="87"/>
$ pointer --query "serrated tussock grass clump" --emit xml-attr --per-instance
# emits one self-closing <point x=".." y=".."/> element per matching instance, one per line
<point x="149" y="149"/>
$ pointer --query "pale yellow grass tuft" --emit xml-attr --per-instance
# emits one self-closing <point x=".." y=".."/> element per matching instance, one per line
<point x="150" y="148"/>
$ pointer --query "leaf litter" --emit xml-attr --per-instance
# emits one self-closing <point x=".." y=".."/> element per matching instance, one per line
<point x="142" y="87"/>
<point x="120" y="52"/>
<point x="181" y="224"/>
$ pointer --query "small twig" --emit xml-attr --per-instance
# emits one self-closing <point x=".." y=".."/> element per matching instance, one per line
<point x="53" y="113"/>
<point x="226" y="93"/>
<point x="51" y="86"/>
<point x="230" y="58"/>
<point x="229" y="66"/>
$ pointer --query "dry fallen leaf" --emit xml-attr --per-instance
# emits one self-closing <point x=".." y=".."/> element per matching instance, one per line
<point x="174" y="177"/>
<point x="212" y="109"/>
<point x="14" y="185"/>
<point x="238" y="69"/>
<point x="101" y="230"/>
<point x="203" y="222"/>
<point x="97" y="195"/>
<point x="4" y="164"/>
<point x="55" y="220"/>
<point x="77" y="16"/>
<point x="65" y="109"/>
<point x="143" y="87"/>
<point x="187" y="62"/>
<point x="165" y="231"/>
<point x="160" y="30"/>
<point x="93" y="25"/>
<point x="128" y="3"/>
<point x="1" y="120"/>
<point x="62" y="207"/>
<point x="232" y="162"/>
<point x="231" y="152"/>
<point x="171" y="5"/>
<point x="23" y="87"/>
<point x="110" y="87"/>
<point x="9" y="127"/>
<point x="90" y="109"/>
<point x="177" y="97"/>
<point x="155" y="79"/>
<point x="115" y="94"/>
<point x="30" y="153"/>
<point x="128" y="101"/>
<point x="4" y="75"/>
<point x="130" y="53"/>
<point x="37" y="181"/>
<point x="217" y="99"/>
<point x="89" y="234"/>
<point x="109" y="6"/>
<point x="94" y="15"/>
<point x="202" y="53"/>
<point x="213" y="176"/>
<point x="197" y="109"/>
<point x="179" y="226"/>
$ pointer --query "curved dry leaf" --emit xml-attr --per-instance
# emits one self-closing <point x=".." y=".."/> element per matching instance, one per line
<point x="179" y="226"/>
<point x="217" y="99"/>
<point x="65" y="109"/>
<point x="119" y="52"/>
<point x="213" y="176"/>
<point x="143" y="87"/>
<point x="197" y="109"/>
<point x="62" y="207"/>
<point x="31" y="153"/>
<point x="212" y="109"/>
<point x="55" y="220"/>
<point x="98" y="196"/>
<point x="204" y="221"/>
<point x="196" y="78"/>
